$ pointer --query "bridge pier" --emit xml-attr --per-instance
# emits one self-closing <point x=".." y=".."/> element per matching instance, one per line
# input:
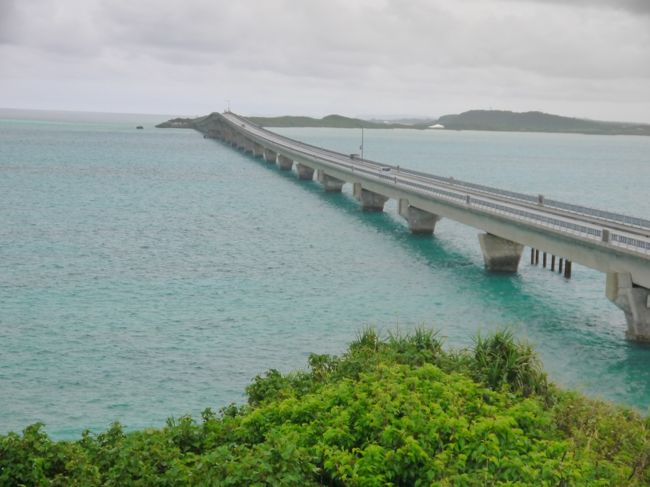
<point x="370" y="201"/>
<point x="499" y="254"/>
<point x="240" y="142"/>
<point x="258" y="150"/>
<point x="330" y="183"/>
<point x="304" y="172"/>
<point x="246" y="145"/>
<point x="232" y="140"/>
<point x="270" y="156"/>
<point x="285" y="163"/>
<point x="634" y="301"/>
<point x="420" y="222"/>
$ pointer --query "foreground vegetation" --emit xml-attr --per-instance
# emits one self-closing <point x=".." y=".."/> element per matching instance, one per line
<point x="394" y="411"/>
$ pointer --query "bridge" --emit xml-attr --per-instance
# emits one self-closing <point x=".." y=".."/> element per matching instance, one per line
<point x="615" y="244"/>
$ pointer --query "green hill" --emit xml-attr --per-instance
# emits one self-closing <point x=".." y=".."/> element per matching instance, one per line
<point x="177" y="123"/>
<point x="499" y="120"/>
<point x="489" y="120"/>
<point x="333" y="121"/>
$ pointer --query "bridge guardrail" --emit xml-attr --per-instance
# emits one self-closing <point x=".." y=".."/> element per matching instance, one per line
<point x="555" y="223"/>
<point x="605" y="215"/>
<point x="550" y="203"/>
<point x="549" y="221"/>
<point x="630" y="242"/>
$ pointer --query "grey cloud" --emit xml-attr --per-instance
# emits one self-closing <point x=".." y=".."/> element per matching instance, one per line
<point x="63" y="27"/>
<point x="634" y="6"/>
<point x="351" y="50"/>
<point x="7" y="14"/>
<point x="330" y="39"/>
<point x="333" y="39"/>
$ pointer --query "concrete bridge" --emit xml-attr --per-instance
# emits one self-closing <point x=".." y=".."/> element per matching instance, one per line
<point x="614" y="244"/>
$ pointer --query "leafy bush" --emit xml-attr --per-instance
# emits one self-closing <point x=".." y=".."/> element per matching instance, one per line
<point x="399" y="411"/>
<point x="500" y="360"/>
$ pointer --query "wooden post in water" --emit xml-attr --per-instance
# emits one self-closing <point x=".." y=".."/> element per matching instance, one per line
<point x="544" y="260"/>
<point x="536" y="256"/>
<point x="552" y="262"/>
<point x="559" y="266"/>
<point x="532" y="256"/>
<point x="567" y="269"/>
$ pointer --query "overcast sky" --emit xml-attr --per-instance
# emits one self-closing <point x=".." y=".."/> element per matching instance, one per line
<point x="585" y="58"/>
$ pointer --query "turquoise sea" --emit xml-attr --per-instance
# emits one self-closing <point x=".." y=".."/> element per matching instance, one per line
<point x="152" y="273"/>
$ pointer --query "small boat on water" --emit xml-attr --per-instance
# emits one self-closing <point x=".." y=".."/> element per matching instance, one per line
<point x="139" y="127"/>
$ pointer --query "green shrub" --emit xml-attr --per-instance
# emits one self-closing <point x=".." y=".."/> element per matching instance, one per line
<point x="396" y="411"/>
<point x="501" y="360"/>
<point x="423" y="346"/>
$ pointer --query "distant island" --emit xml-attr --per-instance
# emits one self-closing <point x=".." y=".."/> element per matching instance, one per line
<point x="179" y="123"/>
<point x="332" y="121"/>
<point x="500" y="120"/>
<point x="488" y="120"/>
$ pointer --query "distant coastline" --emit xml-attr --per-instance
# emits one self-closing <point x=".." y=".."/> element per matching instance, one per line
<point x="506" y="121"/>
<point x="486" y="120"/>
<point x="69" y="116"/>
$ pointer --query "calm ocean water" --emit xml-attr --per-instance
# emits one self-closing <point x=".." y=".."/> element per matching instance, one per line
<point x="151" y="273"/>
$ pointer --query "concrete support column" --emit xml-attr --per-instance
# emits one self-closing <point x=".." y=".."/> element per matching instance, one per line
<point x="634" y="301"/>
<point x="239" y="142"/>
<point x="245" y="145"/>
<point x="304" y="172"/>
<point x="330" y="184"/>
<point x="285" y="163"/>
<point x="369" y="200"/>
<point x="270" y="156"/>
<point x="420" y="222"/>
<point x="258" y="150"/>
<point x="499" y="254"/>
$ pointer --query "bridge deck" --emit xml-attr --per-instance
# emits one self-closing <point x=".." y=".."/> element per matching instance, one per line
<point x="603" y="240"/>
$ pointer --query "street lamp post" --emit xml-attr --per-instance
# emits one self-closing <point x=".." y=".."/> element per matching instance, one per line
<point x="361" y="146"/>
